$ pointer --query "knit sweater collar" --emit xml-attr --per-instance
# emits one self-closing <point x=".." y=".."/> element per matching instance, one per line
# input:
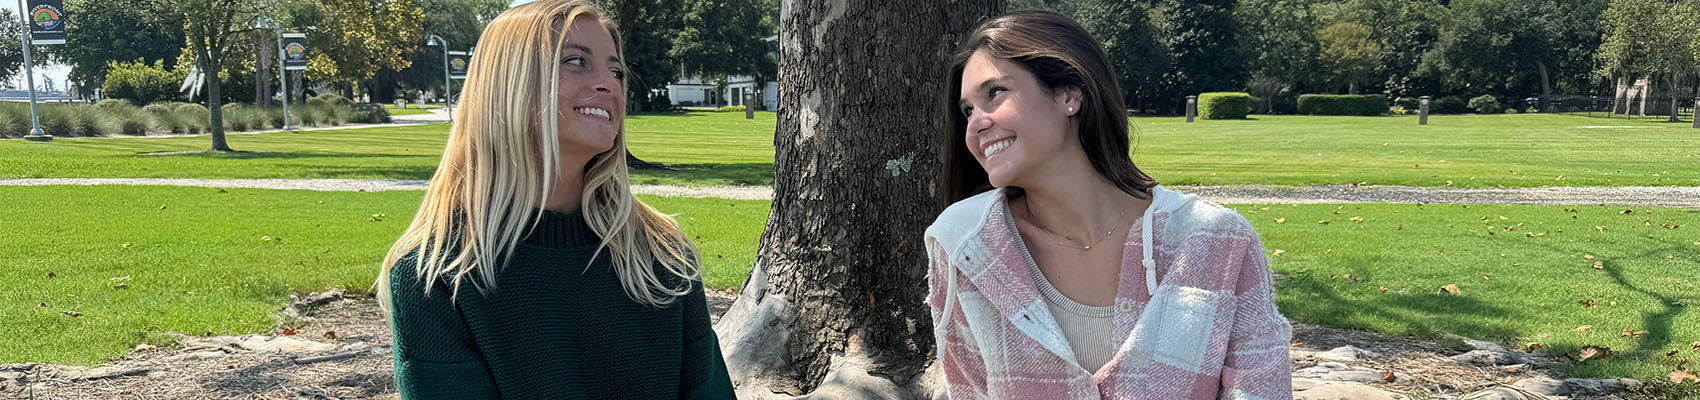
<point x="557" y="229"/>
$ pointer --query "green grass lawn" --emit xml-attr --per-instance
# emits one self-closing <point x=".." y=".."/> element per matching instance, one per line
<point x="1514" y="150"/>
<point x="412" y="109"/>
<point x="89" y="272"/>
<point x="406" y="152"/>
<point x="1518" y="286"/>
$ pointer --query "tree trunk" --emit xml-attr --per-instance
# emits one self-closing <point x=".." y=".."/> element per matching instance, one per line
<point x="834" y="304"/>
<point x="1546" y="85"/>
<point x="264" y="50"/>
<point x="215" y="100"/>
<point x="1352" y="88"/>
<point x="383" y="86"/>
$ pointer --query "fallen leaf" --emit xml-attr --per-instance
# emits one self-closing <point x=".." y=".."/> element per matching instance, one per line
<point x="1387" y="376"/>
<point x="1670" y="226"/>
<point x="52" y="275"/>
<point x="1450" y="289"/>
<point x="162" y="206"/>
<point x="73" y="314"/>
<point x="1560" y="178"/>
<point x="1323" y="222"/>
<point x="1594" y="352"/>
<point x="1503" y="218"/>
<point x="1679" y="376"/>
<point x="43" y="304"/>
<point x="1384" y="289"/>
<point x="121" y="286"/>
<point x="1588" y="256"/>
<point x="1357" y="219"/>
<point x="1601" y="228"/>
<point x="1586" y="303"/>
<point x="1697" y="346"/>
<point x="223" y="191"/>
<point x="125" y="245"/>
<point x="1485" y="277"/>
<point x="1583" y="328"/>
<point x="1532" y="347"/>
<point x="1632" y="333"/>
<point x="330" y="334"/>
<point x="1277" y="252"/>
<point x="1673" y="353"/>
<point x="121" y="278"/>
<point x="1280" y="220"/>
<point x="1627" y="212"/>
<point x="288" y="331"/>
<point x="266" y="238"/>
<point x="1599" y="265"/>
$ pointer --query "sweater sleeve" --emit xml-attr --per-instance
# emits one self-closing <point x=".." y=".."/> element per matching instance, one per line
<point x="958" y="354"/>
<point x="704" y="373"/>
<point x="1257" y="365"/>
<point x="435" y="356"/>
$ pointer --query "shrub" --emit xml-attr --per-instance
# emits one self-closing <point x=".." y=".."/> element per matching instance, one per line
<point x="1226" y="105"/>
<point x="1408" y="103"/>
<point x="157" y="109"/>
<point x="1331" y="104"/>
<point x="142" y="83"/>
<point x="110" y="103"/>
<point x="730" y="109"/>
<point x="330" y="99"/>
<point x="369" y="113"/>
<point x="1448" y="105"/>
<point x="1485" y="104"/>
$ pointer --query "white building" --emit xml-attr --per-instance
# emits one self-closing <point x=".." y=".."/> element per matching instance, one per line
<point x="695" y="91"/>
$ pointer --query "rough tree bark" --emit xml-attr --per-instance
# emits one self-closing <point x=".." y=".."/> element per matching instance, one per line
<point x="834" y="306"/>
<point x="264" y="50"/>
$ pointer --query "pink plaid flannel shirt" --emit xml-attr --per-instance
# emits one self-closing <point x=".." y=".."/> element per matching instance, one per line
<point x="1210" y="330"/>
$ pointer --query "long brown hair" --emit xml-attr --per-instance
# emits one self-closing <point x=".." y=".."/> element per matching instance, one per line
<point x="1060" y="53"/>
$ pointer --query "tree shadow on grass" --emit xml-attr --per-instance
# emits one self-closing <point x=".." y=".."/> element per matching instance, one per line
<point x="1318" y="300"/>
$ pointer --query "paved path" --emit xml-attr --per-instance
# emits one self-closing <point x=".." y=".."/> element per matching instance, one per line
<point x="1661" y="196"/>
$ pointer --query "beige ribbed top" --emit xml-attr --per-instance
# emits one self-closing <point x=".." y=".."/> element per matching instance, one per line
<point x="1090" y="330"/>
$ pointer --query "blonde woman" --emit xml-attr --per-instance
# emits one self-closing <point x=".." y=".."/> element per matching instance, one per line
<point x="530" y="271"/>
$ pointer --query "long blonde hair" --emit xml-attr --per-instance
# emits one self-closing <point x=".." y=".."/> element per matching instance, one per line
<point x="498" y="167"/>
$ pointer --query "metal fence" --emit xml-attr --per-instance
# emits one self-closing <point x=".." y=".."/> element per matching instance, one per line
<point x="1647" y="108"/>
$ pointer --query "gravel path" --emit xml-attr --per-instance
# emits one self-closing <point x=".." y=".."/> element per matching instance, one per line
<point x="1639" y="196"/>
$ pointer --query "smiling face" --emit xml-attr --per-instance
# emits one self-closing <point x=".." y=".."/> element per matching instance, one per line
<point x="590" y="92"/>
<point x="1016" y="128"/>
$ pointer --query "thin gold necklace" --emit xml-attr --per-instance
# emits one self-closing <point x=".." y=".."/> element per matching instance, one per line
<point x="1027" y="205"/>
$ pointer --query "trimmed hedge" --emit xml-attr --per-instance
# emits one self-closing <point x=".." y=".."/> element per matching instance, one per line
<point x="1449" y="105"/>
<point x="1351" y="104"/>
<point x="1226" y="105"/>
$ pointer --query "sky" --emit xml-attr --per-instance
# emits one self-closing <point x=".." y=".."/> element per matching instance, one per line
<point x="57" y="72"/>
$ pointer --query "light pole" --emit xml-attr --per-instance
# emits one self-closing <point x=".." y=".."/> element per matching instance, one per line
<point x="448" y="97"/>
<point x="282" y="80"/>
<point x="36" y="134"/>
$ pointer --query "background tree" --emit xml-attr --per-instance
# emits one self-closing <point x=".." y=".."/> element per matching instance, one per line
<point x="1405" y="29"/>
<point x="1500" y="47"/>
<point x="211" y="27"/>
<point x="1200" y="37"/>
<point x="1282" y="53"/>
<point x="11" y="51"/>
<point x="723" y="38"/>
<point x="113" y="30"/>
<point x="647" y="28"/>
<point x="458" y="21"/>
<point x="1348" y="52"/>
<point x="352" y="39"/>
<point x="1125" y="32"/>
<point x="855" y="171"/>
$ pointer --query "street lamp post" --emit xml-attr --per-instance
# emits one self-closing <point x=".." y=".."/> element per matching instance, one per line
<point x="282" y="80"/>
<point x="36" y="134"/>
<point x="448" y="97"/>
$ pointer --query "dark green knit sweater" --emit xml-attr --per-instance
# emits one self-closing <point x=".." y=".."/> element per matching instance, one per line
<point x="552" y="329"/>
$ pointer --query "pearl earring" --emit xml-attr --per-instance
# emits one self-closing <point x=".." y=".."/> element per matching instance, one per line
<point x="1071" y="110"/>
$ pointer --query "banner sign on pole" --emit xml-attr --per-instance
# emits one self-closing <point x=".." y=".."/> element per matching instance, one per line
<point x="295" y="52"/>
<point x="47" y="21"/>
<point x="459" y="61"/>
